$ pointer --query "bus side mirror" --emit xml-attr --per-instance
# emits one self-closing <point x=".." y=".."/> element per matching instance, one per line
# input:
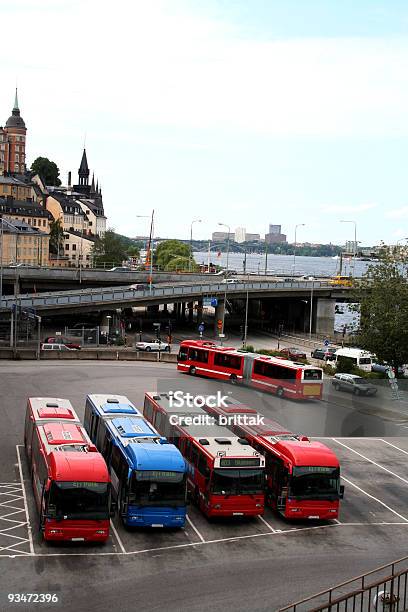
<point x="341" y="494"/>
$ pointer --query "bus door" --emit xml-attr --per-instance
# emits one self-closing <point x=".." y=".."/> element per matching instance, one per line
<point x="276" y="481"/>
<point x="247" y="370"/>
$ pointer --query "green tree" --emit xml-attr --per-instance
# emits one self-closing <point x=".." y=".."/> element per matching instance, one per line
<point x="179" y="263"/>
<point x="111" y="249"/>
<point x="383" y="297"/>
<point x="133" y="251"/>
<point x="56" y="237"/>
<point x="48" y="171"/>
<point x="170" y="249"/>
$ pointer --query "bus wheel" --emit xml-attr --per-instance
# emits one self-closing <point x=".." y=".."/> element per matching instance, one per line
<point x="279" y="391"/>
<point x="233" y="379"/>
<point x="192" y="371"/>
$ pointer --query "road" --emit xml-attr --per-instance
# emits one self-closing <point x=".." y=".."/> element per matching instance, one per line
<point x="219" y="565"/>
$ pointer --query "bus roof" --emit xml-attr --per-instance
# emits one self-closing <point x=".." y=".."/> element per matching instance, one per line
<point x="215" y="439"/>
<point x="50" y="408"/>
<point x="143" y="447"/>
<point x="60" y="436"/>
<point x="112" y="405"/>
<point x="71" y="467"/>
<point x="302" y="453"/>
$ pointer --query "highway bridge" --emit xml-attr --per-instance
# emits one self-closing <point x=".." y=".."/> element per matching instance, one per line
<point x="319" y="295"/>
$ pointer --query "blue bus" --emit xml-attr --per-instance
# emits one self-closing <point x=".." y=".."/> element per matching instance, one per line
<point x="148" y="474"/>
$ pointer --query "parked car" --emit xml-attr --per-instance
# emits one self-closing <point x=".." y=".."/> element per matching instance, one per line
<point x="353" y="383"/>
<point x="155" y="345"/>
<point x="120" y="269"/>
<point x="230" y="281"/>
<point x="383" y="367"/>
<point x="60" y="340"/>
<point x="47" y="346"/>
<point x="306" y="277"/>
<point x="292" y="353"/>
<point x="139" y="286"/>
<point x="24" y="265"/>
<point x="326" y="353"/>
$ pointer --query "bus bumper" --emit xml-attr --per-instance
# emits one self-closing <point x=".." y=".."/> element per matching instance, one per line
<point x="152" y="519"/>
<point x="61" y="532"/>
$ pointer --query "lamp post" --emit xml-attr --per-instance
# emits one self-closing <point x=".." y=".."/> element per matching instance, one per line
<point x="150" y="246"/>
<point x="191" y="241"/>
<point x="226" y="284"/>
<point x="355" y="241"/>
<point x="109" y="318"/>
<point x="1" y="261"/>
<point x="294" y="249"/>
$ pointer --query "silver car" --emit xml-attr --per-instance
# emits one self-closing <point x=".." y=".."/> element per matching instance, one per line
<point x="353" y="383"/>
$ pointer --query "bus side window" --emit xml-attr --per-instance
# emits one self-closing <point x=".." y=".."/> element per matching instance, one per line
<point x="87" y="416"/>
<point x="93" y="427"/>
<point x="29" y="426"/>
<point x="159" y="422"/>
<point x="202" y="465"/>
<point x="194" y="455"/>
<point x="118" y="463"/>
<point x="188" y="449"/>
<point x="148" y="410"/>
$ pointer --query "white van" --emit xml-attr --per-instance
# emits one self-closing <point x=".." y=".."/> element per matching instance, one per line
<point x="360" y="358"/>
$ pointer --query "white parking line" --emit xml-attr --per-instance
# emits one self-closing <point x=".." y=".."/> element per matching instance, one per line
<point x="371" y="461"/>
<point x="20" y="469"/>
<point x="375" y="498"/>
<point x="394" y="446"/>
<point x="190" y="522"/>
<point x="122" y="548"/>
<point x="261" y="518"/>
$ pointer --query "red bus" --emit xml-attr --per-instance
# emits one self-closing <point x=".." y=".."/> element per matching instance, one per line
<point x="70" y="479"/>
<point x="280" y="376"/>
<point x="302" y="476"/>
<point x="226" y="476"/>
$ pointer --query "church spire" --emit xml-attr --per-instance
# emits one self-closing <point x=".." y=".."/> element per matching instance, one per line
<point x="93" y="183"/>
<point x="83" y="171"/>
<point x="16" y="102"/>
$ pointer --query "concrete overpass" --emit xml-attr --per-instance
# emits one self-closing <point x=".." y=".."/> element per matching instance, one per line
<point x="318" y="295"/>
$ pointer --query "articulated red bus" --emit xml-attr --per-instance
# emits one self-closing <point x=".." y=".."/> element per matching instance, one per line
<point x="70" y="479"/>
<point x="280" y="376"/>
<point x="226" y="476"/>
<point x="302" y="476"/>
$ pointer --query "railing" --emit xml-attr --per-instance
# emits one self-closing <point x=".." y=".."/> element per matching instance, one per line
<point x="125" y="294"/>
<point x="382" y="589"/>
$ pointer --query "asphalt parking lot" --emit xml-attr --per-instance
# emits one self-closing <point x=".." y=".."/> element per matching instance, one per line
<point x="208" y="565"/>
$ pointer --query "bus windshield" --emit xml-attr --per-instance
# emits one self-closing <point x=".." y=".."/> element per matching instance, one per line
<point x="157" y="488"/>
<point x="79" y="500"/>
<point x="237" y="482"/>
<point x="315" y="482"/>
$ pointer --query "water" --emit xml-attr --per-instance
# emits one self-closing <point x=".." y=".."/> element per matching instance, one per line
<point x="283" y="264"/>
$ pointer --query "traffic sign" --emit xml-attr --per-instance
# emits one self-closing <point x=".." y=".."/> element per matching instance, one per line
<point x="214" y="301"/>
<point x="326" y="342"/>
<point x="201" y="328"/>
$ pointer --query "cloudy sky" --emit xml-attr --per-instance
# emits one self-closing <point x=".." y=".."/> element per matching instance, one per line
<point x="246" y="112"/>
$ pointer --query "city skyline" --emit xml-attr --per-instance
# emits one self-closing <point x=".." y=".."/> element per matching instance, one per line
<point x="194" y="126"/>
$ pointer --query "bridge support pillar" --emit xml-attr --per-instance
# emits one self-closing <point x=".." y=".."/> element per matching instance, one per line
<point x="325" y="316"/>
<point x="219" y="316"/>
<point x="190" y="306"/>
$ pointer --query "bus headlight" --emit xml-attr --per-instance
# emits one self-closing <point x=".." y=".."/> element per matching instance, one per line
<point x="295" y="509"/>
<point x="101" y="532"/>
<point x="258" y="506"/>
<point x="56" y="531"/>
<point x="217" y="507"/>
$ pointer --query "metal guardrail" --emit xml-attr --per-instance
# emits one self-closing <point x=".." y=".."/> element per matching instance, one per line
<point x="123" y="294"/>
<point x="384" y="589"/>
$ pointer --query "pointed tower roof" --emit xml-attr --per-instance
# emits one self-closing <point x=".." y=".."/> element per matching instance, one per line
<point x="15" y="121"/>
<point x="83" y="168"/>
<point x="93" y="183"/>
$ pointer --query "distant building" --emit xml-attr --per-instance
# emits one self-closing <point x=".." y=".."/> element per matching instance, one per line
<point x="275" y="229"/>
<point x="28" y="212"/>
<point x="23" y="243"/>
<point x="13" y="143"/>
<point x="275" y="238"/>
<point x="240" y="234"/>
<point x="252" y="237"/>
<point x="351" y="246"/>
<point x="221" y="236"/>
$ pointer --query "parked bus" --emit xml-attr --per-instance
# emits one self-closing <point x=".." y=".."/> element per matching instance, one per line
<point x="148" y="474"/>
<point x="280" y="376"/>
<point x="70" y="479"/>
<point x="302" y="476"/>
<point x="225" y="474"/>
<point x="358" y="357"/>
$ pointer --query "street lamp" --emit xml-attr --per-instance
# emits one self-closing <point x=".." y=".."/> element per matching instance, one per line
<point x="294" y="249"/>
<point x="355" y="241"/>
<point x="191" y="240"/>
<point x="226" y="284"/>
<point x="150" y="245"/>
<point x="228" y="241"/>
<point x="109" y="318"/>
